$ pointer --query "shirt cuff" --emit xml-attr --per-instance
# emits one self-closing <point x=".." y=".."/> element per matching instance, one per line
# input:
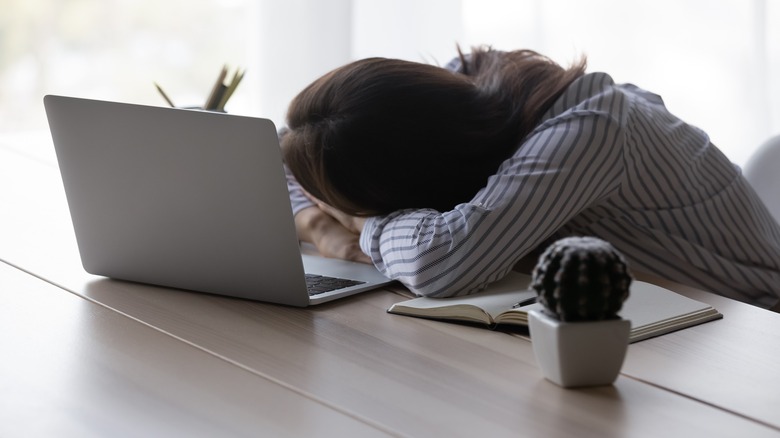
<point x="369" y="240"/>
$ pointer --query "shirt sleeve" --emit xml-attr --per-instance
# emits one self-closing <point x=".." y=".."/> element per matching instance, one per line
<point x="566" y="165"/>
<point x="455" y="65"/>
<point x="298" y="198"/>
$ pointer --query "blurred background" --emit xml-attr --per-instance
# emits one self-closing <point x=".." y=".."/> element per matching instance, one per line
<point x="716" y="63"/>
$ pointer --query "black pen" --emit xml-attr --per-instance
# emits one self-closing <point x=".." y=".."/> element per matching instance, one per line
<point x="525" y="302"/>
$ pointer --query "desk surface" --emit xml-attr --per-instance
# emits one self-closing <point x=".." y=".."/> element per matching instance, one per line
<point x="389" y="373"/>
<point x="75" y="368"/>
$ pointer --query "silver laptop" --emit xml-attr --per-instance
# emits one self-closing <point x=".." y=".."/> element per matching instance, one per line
<point x="188" y="199"/>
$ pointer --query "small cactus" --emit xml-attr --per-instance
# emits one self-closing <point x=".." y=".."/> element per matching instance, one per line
<point x="581" y="279"/>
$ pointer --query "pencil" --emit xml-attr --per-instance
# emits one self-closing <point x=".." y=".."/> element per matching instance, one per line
<point x="237" y="76"/>
<point x="165" y="96"/>
<point x="213" y="99"/>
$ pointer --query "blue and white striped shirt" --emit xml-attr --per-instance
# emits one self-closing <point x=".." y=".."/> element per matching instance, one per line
<point x="608" y="161"/>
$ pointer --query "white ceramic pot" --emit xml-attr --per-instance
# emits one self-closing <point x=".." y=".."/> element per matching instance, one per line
<point x="575" y="354"/>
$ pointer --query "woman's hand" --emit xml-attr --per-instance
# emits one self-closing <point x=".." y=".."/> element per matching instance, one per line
<point x="352" y="223"/>
<point x="331" y="237"/>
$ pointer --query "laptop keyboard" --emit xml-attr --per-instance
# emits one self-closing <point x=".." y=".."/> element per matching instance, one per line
<point x="317" y="284"/>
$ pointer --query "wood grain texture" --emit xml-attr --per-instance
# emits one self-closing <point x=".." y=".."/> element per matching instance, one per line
<point x="415" y="376"/>
<point x="732" y="363"/>
<point x="74" y="368"/>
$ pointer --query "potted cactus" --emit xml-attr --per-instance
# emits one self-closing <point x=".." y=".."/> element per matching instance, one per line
<point x="579" y="339"/>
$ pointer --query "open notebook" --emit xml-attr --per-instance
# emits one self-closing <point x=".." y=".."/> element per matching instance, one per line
<point x="652" y="310"/>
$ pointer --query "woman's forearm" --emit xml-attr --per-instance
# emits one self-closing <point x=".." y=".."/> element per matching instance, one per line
<point x="330" y="237"/>
<point x="311" y="223"/>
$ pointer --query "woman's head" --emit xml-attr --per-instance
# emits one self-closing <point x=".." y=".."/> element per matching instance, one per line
<point x="379" y="135"/>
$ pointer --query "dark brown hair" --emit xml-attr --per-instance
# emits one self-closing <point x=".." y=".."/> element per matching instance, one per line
<point x="379" y="135"/>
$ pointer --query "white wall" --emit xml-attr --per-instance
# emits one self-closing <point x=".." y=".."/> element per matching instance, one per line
<point x="293" y="42"/>
<point x="713" y="61"/>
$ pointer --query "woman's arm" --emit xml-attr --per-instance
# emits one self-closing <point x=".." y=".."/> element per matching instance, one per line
<point x="560" y="170"/>
<point x="298" y="197"/>
<point x="313" y="225"/>
<point x="331" y="238"/>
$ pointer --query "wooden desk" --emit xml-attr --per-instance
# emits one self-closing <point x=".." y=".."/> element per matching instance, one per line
<point x="75" y="368"/>
<point x="732" y="363"/>
<point x="410" y="376"/>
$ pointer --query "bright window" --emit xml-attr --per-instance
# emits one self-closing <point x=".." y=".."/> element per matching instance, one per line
<point x="115" y="50"/>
